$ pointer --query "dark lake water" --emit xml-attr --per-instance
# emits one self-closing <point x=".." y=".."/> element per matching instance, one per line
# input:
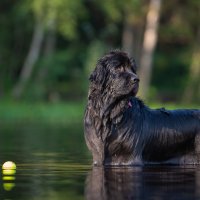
<point x="53" y="163"/>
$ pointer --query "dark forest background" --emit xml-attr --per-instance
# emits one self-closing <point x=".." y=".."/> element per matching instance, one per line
<point x="49" y="47"/>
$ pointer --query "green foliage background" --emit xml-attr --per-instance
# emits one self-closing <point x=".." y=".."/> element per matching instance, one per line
<point x="83" y="31"/>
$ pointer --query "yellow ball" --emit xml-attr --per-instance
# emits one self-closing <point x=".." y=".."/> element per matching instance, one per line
<point x="9" y="165"/>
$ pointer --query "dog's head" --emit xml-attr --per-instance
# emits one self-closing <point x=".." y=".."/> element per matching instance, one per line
<point x="116" y="73"/>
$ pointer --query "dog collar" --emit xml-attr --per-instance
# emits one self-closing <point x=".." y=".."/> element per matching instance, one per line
<point x="130" y="104"/>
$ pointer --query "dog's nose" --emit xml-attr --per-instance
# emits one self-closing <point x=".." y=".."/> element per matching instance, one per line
<point x="135" y="79"/>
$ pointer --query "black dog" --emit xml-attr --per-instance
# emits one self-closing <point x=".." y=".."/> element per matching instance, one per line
<point x="121" y="130"/>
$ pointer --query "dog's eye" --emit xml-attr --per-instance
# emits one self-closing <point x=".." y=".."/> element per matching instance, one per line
<point x="120" y="69"/>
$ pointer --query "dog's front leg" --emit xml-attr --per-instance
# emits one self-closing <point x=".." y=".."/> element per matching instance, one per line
<point x="99" y="154"/>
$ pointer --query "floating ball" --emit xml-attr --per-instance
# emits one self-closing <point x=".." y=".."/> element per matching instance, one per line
<point x="8" y="171"/>
<point x="9" y="168"/>
<point x="9" y="165"/>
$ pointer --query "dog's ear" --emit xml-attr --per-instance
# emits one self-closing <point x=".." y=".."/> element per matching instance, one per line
<point x="99" y="75"/>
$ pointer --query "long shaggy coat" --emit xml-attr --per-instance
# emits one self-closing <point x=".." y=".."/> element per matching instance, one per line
<point x="121" y="130"/>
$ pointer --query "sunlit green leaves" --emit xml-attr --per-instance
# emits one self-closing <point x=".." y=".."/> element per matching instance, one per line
<point x="65" y="13"/>
<point x="116" y="9"/>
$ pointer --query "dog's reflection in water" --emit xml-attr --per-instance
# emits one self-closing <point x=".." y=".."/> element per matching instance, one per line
<point x="113" y="183"/>
<point x="143" y="183"/>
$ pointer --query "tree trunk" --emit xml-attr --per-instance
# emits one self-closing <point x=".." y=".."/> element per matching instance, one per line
<point x="149" y="43"/>
<point x="132" y="36"/>
<point x="128" y="35"/>
<point x="192" y="92"/>
<point x="30" y="60"/>
<point x="49" y="48"/>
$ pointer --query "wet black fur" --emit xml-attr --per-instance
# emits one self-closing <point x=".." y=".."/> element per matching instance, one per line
<point x="121" y="130"/>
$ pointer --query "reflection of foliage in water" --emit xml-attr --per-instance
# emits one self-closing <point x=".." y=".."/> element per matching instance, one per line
<point x="38" y="139"/>
<point x="52" y="161"/>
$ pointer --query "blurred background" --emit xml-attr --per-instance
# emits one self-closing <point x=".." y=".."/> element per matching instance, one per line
<point x="49" y="47"/>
